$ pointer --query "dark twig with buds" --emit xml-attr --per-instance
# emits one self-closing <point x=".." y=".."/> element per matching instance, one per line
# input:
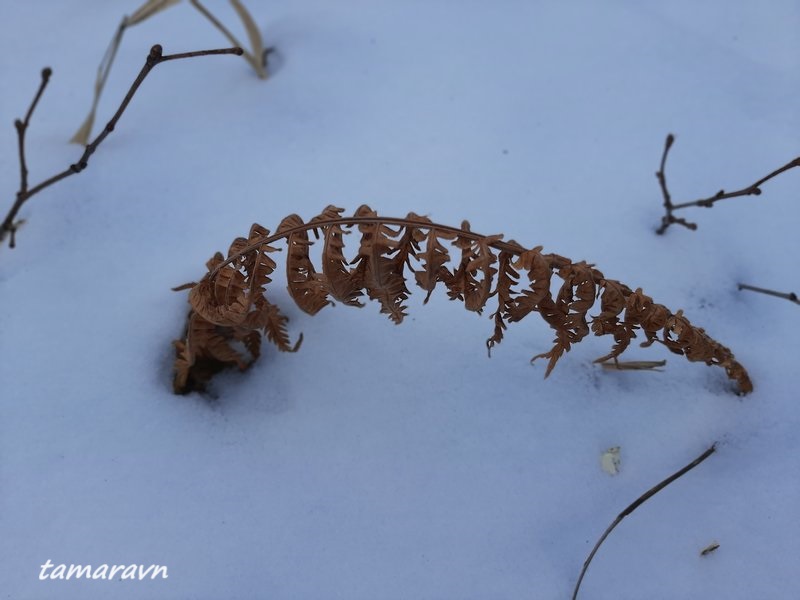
<point x="155" y="57"/>
<point x="670" y="219"/>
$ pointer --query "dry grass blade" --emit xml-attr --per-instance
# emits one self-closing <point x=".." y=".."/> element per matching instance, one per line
<point x="256" y="60"/>
<point x="141" y="14"/>
<point x="82" y="135"/>
<point x="636" y="504"/>
<point x="256" y="56"/>
<point x="233" y="293"/>
<point x="147" y="10"/>
<point x="634" y="365"/>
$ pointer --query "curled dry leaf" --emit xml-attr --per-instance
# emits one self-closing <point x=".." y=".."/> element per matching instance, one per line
<point x="229" y="306"/>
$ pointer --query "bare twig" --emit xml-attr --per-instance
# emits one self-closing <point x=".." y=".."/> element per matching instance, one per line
<point x="155" y="57"/>
<point x="669" y="218"/>
<point x="22" y="128"/>
<point x="790" y="296"/>
<point x="638" y="502"/>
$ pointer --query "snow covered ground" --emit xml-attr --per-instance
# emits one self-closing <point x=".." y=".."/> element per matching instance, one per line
<point x="400" y="462"/>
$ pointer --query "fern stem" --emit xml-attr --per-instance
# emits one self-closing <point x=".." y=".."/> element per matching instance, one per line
<point x="555" y="260"/>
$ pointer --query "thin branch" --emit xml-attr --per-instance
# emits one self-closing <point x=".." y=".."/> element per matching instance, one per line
<point x="669" y="218"/>
<point x="790" y="296"/>
<point x="751" y="190"/>
<point x="638" y="502"/>
<point x="22" y="128"/>
<point x="155" y="57"/>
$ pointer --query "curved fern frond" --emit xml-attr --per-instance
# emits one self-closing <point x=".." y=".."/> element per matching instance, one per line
<point x="230" y="302"/>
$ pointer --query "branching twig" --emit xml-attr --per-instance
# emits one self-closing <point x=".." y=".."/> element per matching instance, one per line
<point x="155" y="57"/>
<point x="790" y="296"/>
<point x="669" y="218"/>
<point x="638" y="502"/>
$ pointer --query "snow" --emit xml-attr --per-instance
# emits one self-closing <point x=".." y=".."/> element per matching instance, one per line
<point x="400" y="462"/>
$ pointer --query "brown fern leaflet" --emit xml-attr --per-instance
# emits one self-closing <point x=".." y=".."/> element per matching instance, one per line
<point x="230" y="310"/>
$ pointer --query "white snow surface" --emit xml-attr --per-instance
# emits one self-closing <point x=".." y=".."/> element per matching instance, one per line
<point x="398" y="462"/>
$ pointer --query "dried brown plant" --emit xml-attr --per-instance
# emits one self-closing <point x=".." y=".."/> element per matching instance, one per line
<point x="257" y="56"/>
<point x="229" y="306"/>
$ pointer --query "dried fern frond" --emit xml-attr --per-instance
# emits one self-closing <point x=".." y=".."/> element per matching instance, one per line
<point x="230" y="306"/>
